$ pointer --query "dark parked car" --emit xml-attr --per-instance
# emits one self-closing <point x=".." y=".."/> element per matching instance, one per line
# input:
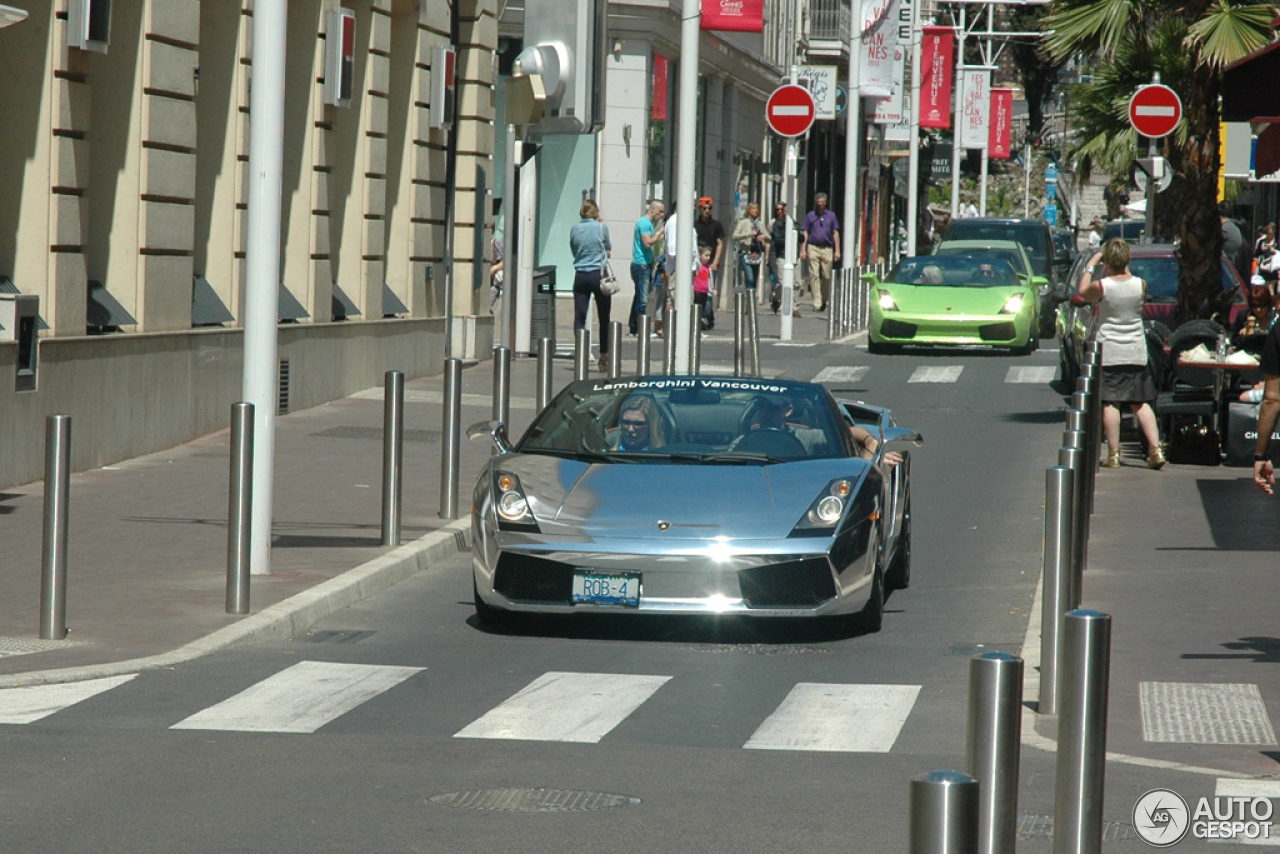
<point x="1130" y="230"/>
<point x="1035" y="237"/>
<point x="1159" y="266"/>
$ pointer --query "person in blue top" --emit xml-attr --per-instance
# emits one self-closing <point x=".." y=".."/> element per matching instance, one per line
<point x="647" y="233"/>
<point x="589" y="241"/>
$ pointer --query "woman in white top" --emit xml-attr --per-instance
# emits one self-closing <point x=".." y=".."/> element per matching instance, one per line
<point x="1126" y="377"/>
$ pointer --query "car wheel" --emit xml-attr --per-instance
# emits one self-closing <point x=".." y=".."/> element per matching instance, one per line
<point x="871" y="617"/>
<point x="899" y="575"/>
<point x="1065" y="371"/>
<point x="879" y="349"/>
<point x="489" y="616"/>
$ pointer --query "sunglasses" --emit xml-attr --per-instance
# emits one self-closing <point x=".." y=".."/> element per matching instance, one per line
<point x="634" y="425"/>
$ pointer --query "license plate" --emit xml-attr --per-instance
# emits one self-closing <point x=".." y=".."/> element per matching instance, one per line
<point x="607" y="588"/>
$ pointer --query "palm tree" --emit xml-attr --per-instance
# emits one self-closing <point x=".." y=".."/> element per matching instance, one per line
<point x="1189" y="42"/>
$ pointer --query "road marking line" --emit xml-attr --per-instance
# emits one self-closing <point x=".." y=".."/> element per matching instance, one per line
<point x="844" y="718"/>
<point x="300" y="699"/>
<point x="941" y="374"/>
<point x="848" y="374"/>
<point x="1227" y="787"/>
<point x="25" y="705"/>
<point x="1204" y="713"/>
<point x="579" y="707"/>
<point x="1039" y="374"/>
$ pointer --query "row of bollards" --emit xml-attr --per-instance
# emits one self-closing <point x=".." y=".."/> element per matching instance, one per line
<point x="850" y="303"/>
<point x="976" y="811"/>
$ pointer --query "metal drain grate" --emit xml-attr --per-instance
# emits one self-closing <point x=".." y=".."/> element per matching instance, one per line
<point x="374" y="434"/>
<point x="534" y="800"/>
<point x="1041" y="827"/>
<point x="282" y="407"/>
<point x="338" y="636"/>
<point x="756" y="649"/>
<point x="1204" y="713"/>
<point x="27" y="646"/>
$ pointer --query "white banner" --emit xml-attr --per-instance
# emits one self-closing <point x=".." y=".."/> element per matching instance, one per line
<point x="890" y="111"/>
<point x="821" y="81"/>
<point x="879" y="44"/>
<point x="975" y="108"/>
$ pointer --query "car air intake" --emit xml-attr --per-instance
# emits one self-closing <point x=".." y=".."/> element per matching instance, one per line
<point x="898" y="329"/>
<point x="795" y="584"/>
<point x="997" y="332"/>
<point x="524" y="578"/>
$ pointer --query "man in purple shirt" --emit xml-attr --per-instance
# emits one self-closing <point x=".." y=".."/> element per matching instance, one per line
<point x="821" y="249"/>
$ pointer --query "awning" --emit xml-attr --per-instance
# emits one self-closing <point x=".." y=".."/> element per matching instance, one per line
<point x="206" y="308"/>
<point x="1249" y="88"/>
<point x="104" y="313"/>
<point x="343" y="306"/>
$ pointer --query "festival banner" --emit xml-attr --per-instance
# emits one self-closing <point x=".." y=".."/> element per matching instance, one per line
<point x="1001" y="122"/>
<point x="879" y="47"/>
<point x="743" y="16"/>
<point x="974" y="115"/>
<point x="937" y="59"/>
<point x="889" y="111"/>
<point x="661" y="68"/>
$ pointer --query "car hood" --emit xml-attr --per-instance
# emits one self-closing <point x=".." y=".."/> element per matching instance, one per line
<point x="942" y="299"/>
<point x="629" y="500"/>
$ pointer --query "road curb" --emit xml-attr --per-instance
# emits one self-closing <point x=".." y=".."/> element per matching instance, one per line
<point x="286" y="619"/>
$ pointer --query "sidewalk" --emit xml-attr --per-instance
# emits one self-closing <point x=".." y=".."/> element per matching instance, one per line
<point x="146" y="579"/>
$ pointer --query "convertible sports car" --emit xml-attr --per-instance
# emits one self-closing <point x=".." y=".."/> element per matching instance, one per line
<point x="953" y="299"/>
<point x="695" y="495"/>
<point x="1013" y="252"/>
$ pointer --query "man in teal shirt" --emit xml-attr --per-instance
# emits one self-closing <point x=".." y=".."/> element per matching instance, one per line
<point x="648" y="232"/>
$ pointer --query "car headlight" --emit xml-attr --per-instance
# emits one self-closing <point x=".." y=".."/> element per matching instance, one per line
<point x="1013" y="306"/>
<point x="826" y="511"/>
<point x="512" y="505"/>
<point x="886" y="301"/>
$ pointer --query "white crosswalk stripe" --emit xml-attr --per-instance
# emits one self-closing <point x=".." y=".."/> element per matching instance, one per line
<point x="839" y="718"/>
<point x="301" y="699"/>
<point x="937" y="374"/>
<point x="579" y="707"/>
<point x="1229" y="787"/>
<point x="1038" y="374"/>
<point x="842" y="374"/>
<point x="25" y="705"/>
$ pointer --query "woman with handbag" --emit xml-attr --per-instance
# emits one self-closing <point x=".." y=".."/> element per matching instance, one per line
<point x="589" y="240"/>
<point x="1126" y="376"/>
<point x="752" y="240"/>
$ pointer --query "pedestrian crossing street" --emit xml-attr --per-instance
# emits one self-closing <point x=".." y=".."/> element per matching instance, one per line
<point x="940" y="374"/>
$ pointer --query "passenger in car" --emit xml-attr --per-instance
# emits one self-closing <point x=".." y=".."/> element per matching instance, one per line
<point x="639" y="426"/>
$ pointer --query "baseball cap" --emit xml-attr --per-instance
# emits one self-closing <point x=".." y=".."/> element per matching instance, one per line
<point x="705" y="200"/>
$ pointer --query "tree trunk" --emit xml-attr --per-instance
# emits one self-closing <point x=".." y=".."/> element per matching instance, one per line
<point x="1200" y="287"/>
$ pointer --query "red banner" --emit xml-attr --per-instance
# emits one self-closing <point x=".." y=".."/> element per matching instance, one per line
<point x="744" y="16"/>
<point x="661" y="65"/>
<point x="1001" y="120"/>
<point x="937" y="63"/>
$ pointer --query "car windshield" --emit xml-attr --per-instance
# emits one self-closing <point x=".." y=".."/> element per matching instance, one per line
<point x="975" y="269"/>
<point x="1011" y="255"/>
<point x="705" y="421"/>
<point x="1032" y="235"/>
<point x="1160" y="272"/>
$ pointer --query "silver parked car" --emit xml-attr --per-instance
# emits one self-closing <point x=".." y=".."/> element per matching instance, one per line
<point x="695" y="495"/>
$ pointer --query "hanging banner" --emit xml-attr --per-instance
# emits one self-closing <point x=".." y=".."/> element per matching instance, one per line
<point x="937" y="59"/>
<point x="879" y="45"/>
<point x="975" y="108"/>
<point x="889" y="111"/>
<point x="1001" y="124"/>
<point x="741" y="16"/>
<point x="661" y="68"/>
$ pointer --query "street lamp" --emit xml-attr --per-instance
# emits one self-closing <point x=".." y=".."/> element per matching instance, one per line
<point x="10" y="15"/>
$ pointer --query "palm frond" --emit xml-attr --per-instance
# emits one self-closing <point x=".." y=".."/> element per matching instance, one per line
<point x="1226" y="33"/>
<point x="1089" y="26"/>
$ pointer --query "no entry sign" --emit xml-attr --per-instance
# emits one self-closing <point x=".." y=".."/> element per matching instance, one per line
<point x="1154" y="110"/>
<point x="790" y="111"/>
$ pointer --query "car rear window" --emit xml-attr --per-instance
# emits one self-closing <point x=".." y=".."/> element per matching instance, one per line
<point x="1032" y="236"/>
<point x="1161" y="275"/>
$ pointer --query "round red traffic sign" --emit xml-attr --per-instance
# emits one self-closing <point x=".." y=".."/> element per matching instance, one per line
<point x="790" y="110"/>
<point x="1154" y="110"/>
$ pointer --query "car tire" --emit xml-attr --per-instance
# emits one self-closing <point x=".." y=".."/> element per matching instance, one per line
<point x="879" y="349"/>
<point x="1066" y="367"/>
<point x="489" y="616"/>
<point x="871" y="618"/>
<point x="899" y="575"/>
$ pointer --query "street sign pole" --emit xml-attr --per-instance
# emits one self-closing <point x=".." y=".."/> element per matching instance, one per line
<point x="1154" y="111"/>
<point x="789" y="112"/>
<point x="852" y="143"/>
<point x="686" y="145"/>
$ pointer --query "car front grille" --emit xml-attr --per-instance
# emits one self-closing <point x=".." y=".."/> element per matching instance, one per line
<point x="997" y="331"/>
<point x="795" y="584"/>
<point x="898" y="329"/>
<point x="524" y="578"/>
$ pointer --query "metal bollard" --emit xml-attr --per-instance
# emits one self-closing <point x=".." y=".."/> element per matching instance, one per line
<point x="738" y="360"/>
<point x="944" y="814"/>
<point x="1082" y="733"/>
<point x="695" y="341"/>
<point x="501" y="384"/>
<point x="1088" y="388"/>
<point x="644" y="346"/>
<point x="753" y="339"/>
<point x="581" y="354"/>
<point x="240" y="508"/>
<point x="57" y="504"/>
<point x="1073" y="457"/>
<point x="615" y="349"/>
<point x="393" y="451"/>
<point x="546" y="356"/>
<point x="992" y="745"/>
<point x="451" y="427"/>
<point x="669" y="340"/>
<point x="1054" y="598"/>
<point x="833" y="327"/>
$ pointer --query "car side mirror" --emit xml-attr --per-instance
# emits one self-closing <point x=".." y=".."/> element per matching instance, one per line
<point x="870" y="278"/>
<point x="902" y="437"/>
<point x="494" y="431"/>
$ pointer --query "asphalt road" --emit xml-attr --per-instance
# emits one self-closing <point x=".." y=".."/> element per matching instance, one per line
<point x="401" y="706"/>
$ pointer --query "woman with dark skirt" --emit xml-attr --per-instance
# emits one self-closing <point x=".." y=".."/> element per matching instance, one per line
<point x="589" y="240"/>
<point x="1126" y="377"/>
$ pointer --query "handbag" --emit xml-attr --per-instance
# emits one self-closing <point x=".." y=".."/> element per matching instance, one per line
<point x="609" y="284"/>
<point x="1195" y="444"/>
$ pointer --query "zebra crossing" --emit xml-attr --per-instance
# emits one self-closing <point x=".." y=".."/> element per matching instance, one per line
<point x="939" y="374"/>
